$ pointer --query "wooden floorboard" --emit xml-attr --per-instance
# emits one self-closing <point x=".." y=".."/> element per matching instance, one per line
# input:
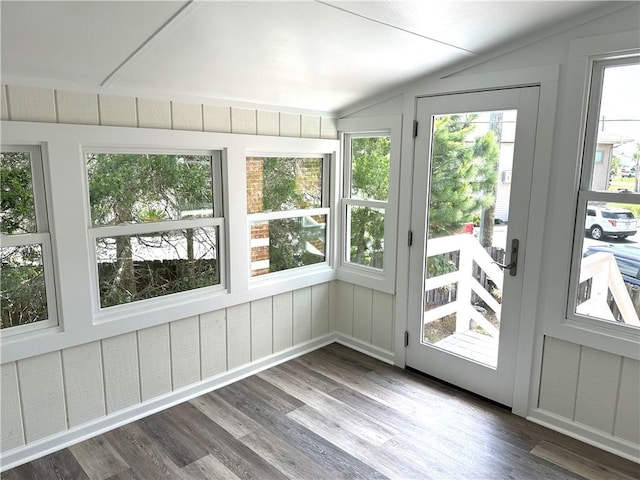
<point x="331" y="414"/>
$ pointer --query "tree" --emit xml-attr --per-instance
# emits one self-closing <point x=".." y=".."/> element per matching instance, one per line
<point x="369" y="180"/>
<point x="463" y="174"/>
<point x="18" y="208"/>
<point x="486" y="152"/>
<point x="136" y="188"/>
<point x="463" y="182"/>
<point x="288" y="184"/>
<point x="23" y="293"/>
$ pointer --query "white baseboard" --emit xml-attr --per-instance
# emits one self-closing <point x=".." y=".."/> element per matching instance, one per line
<point x="381" y="354"/>
<point x="58" y="441"/>
<point x="584" y="433"/>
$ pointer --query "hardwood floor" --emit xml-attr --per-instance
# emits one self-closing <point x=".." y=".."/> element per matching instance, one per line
<point x="331" y="414"/>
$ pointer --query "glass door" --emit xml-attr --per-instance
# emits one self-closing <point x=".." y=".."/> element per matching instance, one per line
<point x="473" y="164"/>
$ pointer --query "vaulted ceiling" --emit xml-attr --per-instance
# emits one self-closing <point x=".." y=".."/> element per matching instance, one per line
<point x="314" y="55"/>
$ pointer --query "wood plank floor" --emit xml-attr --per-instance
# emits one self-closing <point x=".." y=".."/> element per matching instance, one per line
<point x="331" y="414"/>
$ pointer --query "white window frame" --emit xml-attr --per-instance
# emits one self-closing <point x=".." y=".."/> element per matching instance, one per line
<point x="96" y="232"/>
<point x="384" y="279"/>
<point x="63" y="147"/>
<point x="608" y="332"/>
<point x="41" y="237"/>
<point x="324" y="209"/>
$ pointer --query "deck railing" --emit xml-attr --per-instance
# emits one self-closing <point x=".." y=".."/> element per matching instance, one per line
<point x="470" y="251"/>
<point x="606" y="281"/>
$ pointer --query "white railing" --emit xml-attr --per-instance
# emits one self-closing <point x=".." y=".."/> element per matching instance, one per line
<point x="470" y="251"/>
<point x="605" y="276"/>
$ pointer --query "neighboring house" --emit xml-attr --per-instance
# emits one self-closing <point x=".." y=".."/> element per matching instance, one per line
<point x="602" y="168"/>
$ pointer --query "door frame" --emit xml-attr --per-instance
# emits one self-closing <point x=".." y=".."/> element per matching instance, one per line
<point x="495" y="383"/>
<point x="530" y="341"/>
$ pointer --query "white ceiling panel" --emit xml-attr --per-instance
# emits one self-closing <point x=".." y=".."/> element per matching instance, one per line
<point x="296" y="54"/>
<point x="79" y="42"/>
<point x="470" y="25"/>
<point x="317" y="55"/>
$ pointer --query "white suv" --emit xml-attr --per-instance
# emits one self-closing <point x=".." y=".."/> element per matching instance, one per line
<point x="603" y="220"/>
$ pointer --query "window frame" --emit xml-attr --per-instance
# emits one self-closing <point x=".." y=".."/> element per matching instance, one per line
<point x="349" y="201"/>
<point x="383" y="279"/>
<point x="105" y="314"/>
<point x="324" y="209"/>
<point x="597" y="64"/>
<point x="67" y="205"/>
<point x="42" y="236"/>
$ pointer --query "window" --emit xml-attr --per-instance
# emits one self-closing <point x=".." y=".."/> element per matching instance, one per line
<point x="606" y="282"/>
<point x="28" y="299"/>
<point x="369" y="201"/>
<point x="366" y="194"/>
<point x="156" y="223"/>
<point x="287" y="206"/>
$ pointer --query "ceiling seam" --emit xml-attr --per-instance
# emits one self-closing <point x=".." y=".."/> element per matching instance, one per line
<point x="109" y="78"/>
<point x="390" y="25"/>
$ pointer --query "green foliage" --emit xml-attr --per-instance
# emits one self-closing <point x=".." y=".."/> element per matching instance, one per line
<point x="370" y="167"/>
<point x="124" y="187"/>
<point x="370" y="157"/>
<point x="463" y="174"/>
<point x="23" y="294"/>
<point x="138" y="188"/>
<point x="292" y="183"/>
<point x="18" y="208"/>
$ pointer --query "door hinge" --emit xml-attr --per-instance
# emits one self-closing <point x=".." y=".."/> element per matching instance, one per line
<point x="410" y="238"/>
<point x="406" y="338"/>
<point x="415" y="128"/>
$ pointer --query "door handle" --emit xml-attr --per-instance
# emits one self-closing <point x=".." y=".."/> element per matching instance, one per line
<point x="513" y="266"/>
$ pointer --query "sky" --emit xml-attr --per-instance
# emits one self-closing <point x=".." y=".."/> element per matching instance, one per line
<point x="620" y="106"/>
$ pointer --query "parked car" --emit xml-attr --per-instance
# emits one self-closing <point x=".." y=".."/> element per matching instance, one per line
<point x="628" y="172"/>
<point x="627" y="257"/>
<point x="613" y="221"/>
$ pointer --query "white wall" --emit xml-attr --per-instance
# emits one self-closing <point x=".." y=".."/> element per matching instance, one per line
<point x="64" y="395"/>
<point x="50" y="393"/>
<point x="582" y="383"/>
<point x="61" y="395"/>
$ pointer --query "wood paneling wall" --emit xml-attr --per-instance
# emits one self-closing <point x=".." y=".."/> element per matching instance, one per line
<point x="365" y="314"/>
<point x="591" y="387"/>
<point x="51" y="393"/>
<point x="32" y="104"/>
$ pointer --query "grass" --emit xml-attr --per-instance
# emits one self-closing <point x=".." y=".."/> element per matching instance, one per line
<point x="620" y="183"/>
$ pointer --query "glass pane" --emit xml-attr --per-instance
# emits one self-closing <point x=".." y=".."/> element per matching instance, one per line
<point x="286" y="243"/>
<point x="366" y="239"/>
<point x="609" y="282"/>
<point x="137" y="267"/>
<point x="370" y="167"/>
<point x="24" y="298"/>
<point x="18" y="208"/>
<point x="138" y="188"/>
<point x="468" y="215"/>
<point x="276" y="184"/>
<point x="618" y="143"/>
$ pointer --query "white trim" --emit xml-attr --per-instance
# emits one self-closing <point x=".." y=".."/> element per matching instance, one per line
<point x="546" y="77"/>
<point x="570" y="143"/>
<point x="586" y="434"/>
<point x="280" y="214"/>
<point x="383" y="280"/>
<point x="62" y="148"/>
<point x="42" y="237"/>
<point x="358" y="345"/>
<point x="153" y="227"/>
<point x="53" y="443"/>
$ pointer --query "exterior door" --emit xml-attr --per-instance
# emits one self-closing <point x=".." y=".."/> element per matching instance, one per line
<point x="472" y="180"/>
